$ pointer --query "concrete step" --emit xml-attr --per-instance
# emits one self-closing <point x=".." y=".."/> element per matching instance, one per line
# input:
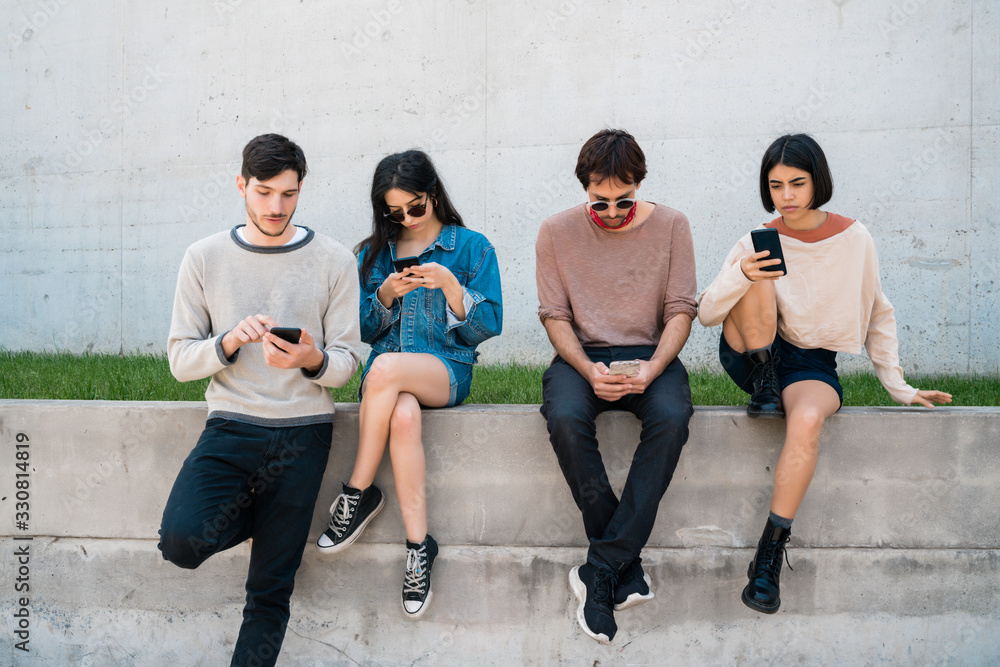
<point x="115" y="602"/>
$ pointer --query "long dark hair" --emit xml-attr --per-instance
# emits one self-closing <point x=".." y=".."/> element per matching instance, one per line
<point x="411" y="171"/>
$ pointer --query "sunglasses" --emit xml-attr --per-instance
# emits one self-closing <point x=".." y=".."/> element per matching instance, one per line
<point x="416" y="211"/>
<point x="602" y="206"/>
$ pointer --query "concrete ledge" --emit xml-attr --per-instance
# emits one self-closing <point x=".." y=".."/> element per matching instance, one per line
<point x="890" y="477"/>
<point x="896" y="550"/>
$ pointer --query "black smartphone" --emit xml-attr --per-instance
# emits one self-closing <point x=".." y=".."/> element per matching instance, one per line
<point x="404" y="263"/>
<point x="767" y="239"/>
<point x="287" y="333"/>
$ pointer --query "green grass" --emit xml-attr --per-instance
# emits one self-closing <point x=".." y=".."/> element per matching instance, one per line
<point x="30" y="375"/>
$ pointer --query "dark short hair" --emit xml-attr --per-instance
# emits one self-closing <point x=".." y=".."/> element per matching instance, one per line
<point x="801" y="152"/>
<point x="611" y="154"/>
<point x="268" y="155"/>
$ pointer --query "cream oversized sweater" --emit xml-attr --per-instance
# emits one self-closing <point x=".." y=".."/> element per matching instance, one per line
<point x="311" y="284"/>
<point x="830" y="298"/>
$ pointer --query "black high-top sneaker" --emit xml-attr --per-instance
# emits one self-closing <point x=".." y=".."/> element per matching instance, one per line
<point x="762" y="593"/>
<point x="350" y="513"/>
<point x="417" y="578"/>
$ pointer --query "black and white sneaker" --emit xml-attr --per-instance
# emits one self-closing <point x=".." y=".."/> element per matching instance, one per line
<point x="417" y="579"/>
<point x="633" y="586"/>
<point x="350" y="513"/>
<point x="595" y="590"/>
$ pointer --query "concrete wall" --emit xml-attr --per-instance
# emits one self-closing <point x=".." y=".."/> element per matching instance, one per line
<point x="123" y="128"/>
<point x="896" y="550"/>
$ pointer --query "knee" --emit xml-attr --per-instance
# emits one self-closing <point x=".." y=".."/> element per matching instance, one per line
<point x="405" y="419"/>
<point x="184" y="548"/>
<point x="673" y="417"/>
<point x="806" y="420"/>
<point x="381" y="373"/>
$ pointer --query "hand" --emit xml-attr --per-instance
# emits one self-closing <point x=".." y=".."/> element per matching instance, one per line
<point x="606" y="386"/>
<point x="642" y="380"/>
<point x="279" y="353"/>
<point x="395" y="286"/>
<point x="751" y="266"/>
<point x="927" y="398"/>
<point x="432" y="276"/>
<point x="250" y="330"/>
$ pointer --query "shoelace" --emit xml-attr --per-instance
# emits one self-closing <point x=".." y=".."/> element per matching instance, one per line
<point x="415" y="579"/>
<point x="771" y="564"/>
<point x="604" y="587"/>
<point x="341" y="511"/>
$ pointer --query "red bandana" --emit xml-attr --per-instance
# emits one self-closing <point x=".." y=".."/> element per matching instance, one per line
<point x="600" y="223"/>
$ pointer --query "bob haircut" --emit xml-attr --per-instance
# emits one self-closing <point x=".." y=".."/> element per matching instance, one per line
<point x="611" y="154"/>
<point x="801" y="152"/>
<point x="413" y="172"/>
<point x="268" y="155"/>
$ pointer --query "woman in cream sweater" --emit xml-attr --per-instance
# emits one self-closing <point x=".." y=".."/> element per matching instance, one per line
<point x="781" y="333"/>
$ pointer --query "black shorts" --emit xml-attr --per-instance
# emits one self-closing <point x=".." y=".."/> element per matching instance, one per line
<point x="795" y="364"/>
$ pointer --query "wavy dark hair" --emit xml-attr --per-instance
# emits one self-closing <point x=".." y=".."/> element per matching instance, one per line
<point x="268" y="155"/>
<point x="410" y="171"/>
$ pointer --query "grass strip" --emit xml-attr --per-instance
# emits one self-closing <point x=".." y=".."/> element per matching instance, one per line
<point x="63" y="376"/>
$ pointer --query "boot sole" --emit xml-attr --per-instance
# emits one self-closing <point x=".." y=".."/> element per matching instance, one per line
<point x="580" y="591"/>
<point x="337" y="548"/>
<point x="766" y="414"/>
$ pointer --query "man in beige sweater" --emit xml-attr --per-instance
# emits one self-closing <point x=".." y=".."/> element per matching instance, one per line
<point x="257" y="467"/>
<point x="616" y="283"/>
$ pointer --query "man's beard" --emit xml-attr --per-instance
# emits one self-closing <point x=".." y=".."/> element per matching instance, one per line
<point x="256" y="224"/>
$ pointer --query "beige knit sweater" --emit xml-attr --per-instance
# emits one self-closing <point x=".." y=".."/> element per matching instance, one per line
<point x="312" y="284"/>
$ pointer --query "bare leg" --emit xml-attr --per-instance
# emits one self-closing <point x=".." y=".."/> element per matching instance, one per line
<point x="753" y="321"/>
<point x="807" y="406"/>
<point x="424" y="376"/>
<point x="406" y="449"/>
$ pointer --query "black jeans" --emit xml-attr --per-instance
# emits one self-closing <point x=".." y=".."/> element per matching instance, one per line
<point x="617" y="529"/>
<point x="244" y="480"/>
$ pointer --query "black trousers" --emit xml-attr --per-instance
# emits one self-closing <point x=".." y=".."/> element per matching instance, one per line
<point x="617" y="528"/>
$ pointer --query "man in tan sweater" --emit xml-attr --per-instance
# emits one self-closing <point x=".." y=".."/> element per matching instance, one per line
<point x="616" y="282"/>
<point x="257" y="467"/>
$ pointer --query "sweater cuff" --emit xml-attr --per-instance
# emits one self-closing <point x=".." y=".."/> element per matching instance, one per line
<point x="322" y="368"/>
<point x="222" y="353"/>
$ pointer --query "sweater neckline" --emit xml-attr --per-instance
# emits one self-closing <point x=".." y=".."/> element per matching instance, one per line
<point x="834" y="225"/>
<point x="270" y="250"/>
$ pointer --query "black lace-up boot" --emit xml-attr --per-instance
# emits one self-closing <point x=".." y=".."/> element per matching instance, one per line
<point x="762" y="593"/>
<point x="766" y="398"/>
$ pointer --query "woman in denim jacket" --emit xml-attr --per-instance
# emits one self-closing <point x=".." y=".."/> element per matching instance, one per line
<point x="430" y="293"/>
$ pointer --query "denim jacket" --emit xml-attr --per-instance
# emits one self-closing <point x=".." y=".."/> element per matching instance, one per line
<point x="422" y="321"/>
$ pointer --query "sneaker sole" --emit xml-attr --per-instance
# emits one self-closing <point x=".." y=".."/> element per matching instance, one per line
<point x="337" y="548"/>
<point x="420" y="612"/>
<point x="635" y="599"/>
<point x="580" y="591"/>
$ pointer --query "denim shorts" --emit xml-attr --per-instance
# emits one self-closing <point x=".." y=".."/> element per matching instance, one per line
<point x="459" y="377"/>
<point x="795" y="364"/>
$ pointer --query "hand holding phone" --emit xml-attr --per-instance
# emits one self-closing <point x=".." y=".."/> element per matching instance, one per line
<point x="290" y="334"/>
<point x="403" y="263"/>
<point x="767" y="239"/>
<point x="629" y="369"/>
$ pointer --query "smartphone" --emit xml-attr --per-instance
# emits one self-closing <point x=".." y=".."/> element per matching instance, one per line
<point x="627" y="368"/>
<point x="287" y="333"/>
<point x="767" y="239"/>
<point x="404" y="263"/>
